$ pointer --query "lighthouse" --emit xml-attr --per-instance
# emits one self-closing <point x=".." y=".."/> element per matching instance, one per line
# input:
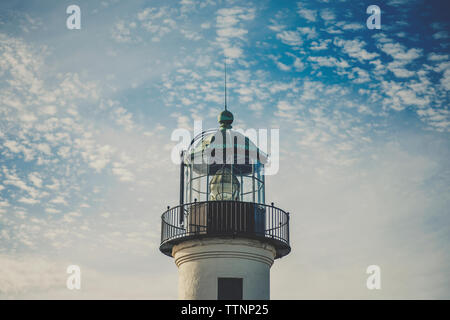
<point x="222" y="235"/>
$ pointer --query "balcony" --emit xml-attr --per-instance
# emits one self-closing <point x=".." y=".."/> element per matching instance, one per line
<point x="234" y="219"/>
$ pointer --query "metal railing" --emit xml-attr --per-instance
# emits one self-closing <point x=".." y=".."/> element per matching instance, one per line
<point x="225" y="218"/>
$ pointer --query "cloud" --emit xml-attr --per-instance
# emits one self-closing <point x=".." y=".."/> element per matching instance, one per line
<point x="285" y="110"/>
<point x="438" y="118"/>
<point x="351" y="26"/>
<point x="354" y="48"/>
<point x="298" y="64"/>
<point x="276" y="26"/>
<point x="321" y="45"/>
<point x="445" y="80"/>
<point x="402" y="57"/>
<point x="398" y="3"/>
<point x="399" y="52"/>
<point x="282" y="66"/>
<point x="327" y="15"/>
<point x="309" y="32"/>
<point x="324" y="61"/>
<point x="279" y="64"/>
<point x="191" y="35"/>
<point x="437" y="57"/>
<point x="123" y="173"/>
<point x="308" y="14"/>
<point x="291" y="38"/>
<point x="418" y="95"/>
<point x="156" y="21"/>
<point x="362" y="75"/>
<point x="440" y="35"/>
<point x="122" y="31"/>
<point x="232" y="33"/>
<point x="34" y="177"/>
<point x="230" y="29"/>
<point x="12" y="179"/>
<point x="397" y="68"/>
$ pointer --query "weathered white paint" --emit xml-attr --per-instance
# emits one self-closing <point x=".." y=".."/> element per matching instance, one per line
<point x="201" y="262"/>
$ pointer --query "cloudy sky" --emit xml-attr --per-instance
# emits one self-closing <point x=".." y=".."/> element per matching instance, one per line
<point x="86" y="118"/>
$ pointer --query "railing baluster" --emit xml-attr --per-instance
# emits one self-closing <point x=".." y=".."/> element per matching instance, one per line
<point x="271" y="214"/>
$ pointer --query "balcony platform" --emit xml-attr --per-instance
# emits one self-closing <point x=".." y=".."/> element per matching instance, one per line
<point x="230" y="219"/>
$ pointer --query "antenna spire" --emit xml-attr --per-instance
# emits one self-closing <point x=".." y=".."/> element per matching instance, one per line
<point x="225" y="62"/>
<point x="225" y="118"/>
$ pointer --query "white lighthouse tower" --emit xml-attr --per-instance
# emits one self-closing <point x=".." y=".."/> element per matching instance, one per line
<point x="222" y="235"/>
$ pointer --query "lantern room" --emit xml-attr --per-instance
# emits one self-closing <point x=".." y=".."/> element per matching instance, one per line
<point x="223" y="164"/>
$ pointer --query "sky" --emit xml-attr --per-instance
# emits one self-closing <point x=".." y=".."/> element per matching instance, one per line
<point x="86" y="118"/>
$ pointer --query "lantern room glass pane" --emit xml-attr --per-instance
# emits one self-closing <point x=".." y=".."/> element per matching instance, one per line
<point x="226" y="184"/>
